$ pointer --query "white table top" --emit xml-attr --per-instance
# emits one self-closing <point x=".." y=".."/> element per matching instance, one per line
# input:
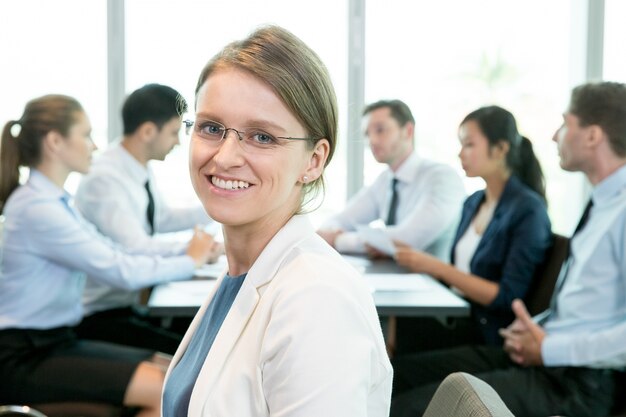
<point x="395" y="292"/>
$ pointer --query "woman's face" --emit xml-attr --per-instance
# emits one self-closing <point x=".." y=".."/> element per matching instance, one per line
<point x="77" y="147"/>
<point x="477" y="159"/>
<point x="258" y="182"/>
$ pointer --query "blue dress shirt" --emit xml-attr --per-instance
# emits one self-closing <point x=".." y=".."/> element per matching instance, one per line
<point x="183" y="377"/>
<point x="512" y="246"/>
<point x="588" y="327"/>
<point x="47" y="251"/>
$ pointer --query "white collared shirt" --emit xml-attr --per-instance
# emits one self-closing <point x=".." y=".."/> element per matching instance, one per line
<point x="47" y="251"/>
<point x="113" y="197"/>
<point x="430" y="198"/>
<point x="588" y="327"/>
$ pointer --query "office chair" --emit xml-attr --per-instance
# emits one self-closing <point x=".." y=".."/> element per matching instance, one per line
<point x="19" y="411"/>
<point x="65" y="409"/>
<point x="463" y="395"/>
<point x="79" y="409"/>
<point x="542" y="286"/>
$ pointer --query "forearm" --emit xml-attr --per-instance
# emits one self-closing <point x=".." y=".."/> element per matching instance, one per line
<point x="477" y="289"/>
<point x="600" y="349"/>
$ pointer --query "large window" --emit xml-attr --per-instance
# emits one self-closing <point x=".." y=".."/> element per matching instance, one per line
<point x="182" y="36"/>
<point x="54" y="47"/>
<point x="614" y="35"/>
<point x="444" y="58"/>
<point x="447" y="58"/>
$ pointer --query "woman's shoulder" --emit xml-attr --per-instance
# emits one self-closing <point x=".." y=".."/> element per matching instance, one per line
<point x="322" y="277"/>
<point x="313" y="263"/>
<point x="320" y="260"/>
<point x="31" y="208"/>
<point x="521" y="196"/>
<point x="474" y="199"/>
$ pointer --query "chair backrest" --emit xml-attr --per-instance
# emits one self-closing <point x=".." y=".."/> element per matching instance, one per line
<point x="461" y="395"/>
<point x="79" y="409"/>
<point x="19" y="411"/>
<point x="542" y="286"/>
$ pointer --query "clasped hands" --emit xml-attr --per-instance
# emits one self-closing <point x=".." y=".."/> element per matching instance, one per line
<point x="523" y="338"/>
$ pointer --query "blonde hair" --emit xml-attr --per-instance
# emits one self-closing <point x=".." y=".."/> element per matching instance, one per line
<point x="297" y="75"/>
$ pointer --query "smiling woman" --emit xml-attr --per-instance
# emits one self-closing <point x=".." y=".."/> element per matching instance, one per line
<point x="266" y="127"/>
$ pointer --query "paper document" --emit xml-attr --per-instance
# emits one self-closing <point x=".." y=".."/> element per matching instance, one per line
<point x="377" y="238"/>
<point x="398" y="282"/>
<point x="359" y="262"/>
<point x="212" y="271"/>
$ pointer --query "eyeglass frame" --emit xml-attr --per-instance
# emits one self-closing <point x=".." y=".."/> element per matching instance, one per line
<point x="240" y="134"/>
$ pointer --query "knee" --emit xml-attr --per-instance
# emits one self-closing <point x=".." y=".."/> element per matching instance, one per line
<point x="146" y="386"/>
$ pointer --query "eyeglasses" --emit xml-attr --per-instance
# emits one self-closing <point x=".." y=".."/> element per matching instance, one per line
<point x="251" y="138"/>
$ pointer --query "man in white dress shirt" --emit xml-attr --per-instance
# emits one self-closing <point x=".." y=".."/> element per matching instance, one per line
<point x="429" y="195"/>
<point x="120" y="198"/>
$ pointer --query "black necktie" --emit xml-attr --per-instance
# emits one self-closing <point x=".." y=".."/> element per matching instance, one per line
<point x="150" y="209"/>
<point x="393" y="205"/>
<point x="583" y="219"/>
<point x="566" y="264"/>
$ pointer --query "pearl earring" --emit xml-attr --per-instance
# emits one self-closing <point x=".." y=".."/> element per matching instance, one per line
<point x="305" y="179"/>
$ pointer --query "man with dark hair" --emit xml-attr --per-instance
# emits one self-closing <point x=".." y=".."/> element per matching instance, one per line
<point x="561" y="361"/>
<point x="419" y="200"/>
<point x="120" y="198"/>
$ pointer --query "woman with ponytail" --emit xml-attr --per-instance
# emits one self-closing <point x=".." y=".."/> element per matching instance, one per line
<point x="503" y="234"/>
<point x="48" y="250"/>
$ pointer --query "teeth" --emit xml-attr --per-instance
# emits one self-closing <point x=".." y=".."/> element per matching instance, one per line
<point x="229" y="185"/>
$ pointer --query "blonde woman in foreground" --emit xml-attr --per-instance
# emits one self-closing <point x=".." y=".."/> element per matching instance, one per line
<point x="291" y="329"/>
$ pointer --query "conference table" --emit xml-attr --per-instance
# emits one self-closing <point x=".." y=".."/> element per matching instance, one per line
<point x="395" y="291"/>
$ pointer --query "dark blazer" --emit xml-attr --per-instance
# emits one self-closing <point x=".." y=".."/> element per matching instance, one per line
<point x="513" y="245"/>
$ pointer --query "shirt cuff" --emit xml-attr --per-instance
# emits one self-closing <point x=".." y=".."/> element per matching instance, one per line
<point x="554" y="350"/>
<point x="187" y="267"/>
<point x="349" y="242"/>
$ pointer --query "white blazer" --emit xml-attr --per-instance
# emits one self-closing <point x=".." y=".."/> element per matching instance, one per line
<point x="302" y="338"/>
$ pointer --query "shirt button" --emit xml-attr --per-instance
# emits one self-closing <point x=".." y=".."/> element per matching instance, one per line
<point x="483" y="321"/>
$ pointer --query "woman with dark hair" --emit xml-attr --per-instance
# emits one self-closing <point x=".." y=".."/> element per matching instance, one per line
<point x="48" y="249"/>
<point x="504" y="230"/>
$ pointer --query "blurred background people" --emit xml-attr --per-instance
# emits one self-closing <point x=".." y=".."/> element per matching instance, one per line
<point x="561" y="361"/>
<point x="48" y="251"/>
<point x="502" y="237"/>
<point x="120" y="197"/>
<point x="418" y="200"/>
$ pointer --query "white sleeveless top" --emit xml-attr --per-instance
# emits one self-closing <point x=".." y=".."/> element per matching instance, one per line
<point x="465" y="248"/>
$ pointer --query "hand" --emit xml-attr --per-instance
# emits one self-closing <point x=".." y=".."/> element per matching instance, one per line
<point x="330" y="236"/>
<point x="216" y="252"/>
<point x="523" y="338"/>
<point x="419" y="262"/>
<point x="374" y="253"/>
<point x="201" y="247"/>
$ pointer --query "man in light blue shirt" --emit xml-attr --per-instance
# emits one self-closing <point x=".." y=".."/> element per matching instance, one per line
<point x="561" y="361"/>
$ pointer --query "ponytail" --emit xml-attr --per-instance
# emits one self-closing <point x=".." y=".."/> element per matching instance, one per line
<point x="9" y="163"/>
<point x="42" y="115"/>
<point x="498" y="125"/>
<point x="528" y="169"/>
